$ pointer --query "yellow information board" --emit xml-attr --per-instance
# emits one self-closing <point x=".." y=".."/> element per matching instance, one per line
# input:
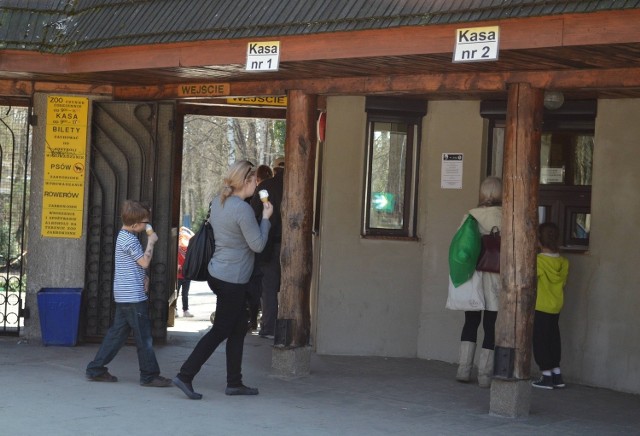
<point x="203" y="89"/>
<point x="270" y="100"/>
<point x="64" y="166"/>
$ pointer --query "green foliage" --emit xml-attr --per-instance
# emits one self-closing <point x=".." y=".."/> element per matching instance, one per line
<point x="199" y="217"/>
<point x="12" y="284"/>
<point x="279" y="135"/>
<point x="8" y="245"/>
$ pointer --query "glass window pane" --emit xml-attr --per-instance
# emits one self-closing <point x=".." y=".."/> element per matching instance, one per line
<point x="580" y="226"/>
<point x="388" y="166"/>
<point x="497" y="151"/>
<point x="544" y="213"/>
<point x="566" y="158"/>
<point x="566" y="162"/>
<point x="583" y="159"/>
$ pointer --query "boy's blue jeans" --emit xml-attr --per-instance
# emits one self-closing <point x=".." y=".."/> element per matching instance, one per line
<point x="128" y="317"/>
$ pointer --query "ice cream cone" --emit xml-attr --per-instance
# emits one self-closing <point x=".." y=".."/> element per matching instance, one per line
<point x="264" y="195"/>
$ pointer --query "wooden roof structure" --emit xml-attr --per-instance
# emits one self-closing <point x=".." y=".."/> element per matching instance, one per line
<point x="63" y="26"/>
<point x="143" y="49"/>
<point x="151" y="49"/>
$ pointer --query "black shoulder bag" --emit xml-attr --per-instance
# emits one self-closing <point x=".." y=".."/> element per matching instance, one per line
<point x="199" y="252"/>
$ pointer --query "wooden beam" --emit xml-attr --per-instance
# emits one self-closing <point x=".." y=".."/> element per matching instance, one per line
<point x="15" y="101"/>
<point x="521" y="177"/>
<point x="429" y="84"/>
<point x="233" y="111"/>
<point x="16" y="88"/>
<point x="627" y="78"/>
<point x="33" y="62"/>
<point x="297" y="222"/>
<point x="26" y="88"/>
<point x="603" y="27"/>
<point x="75" y="88"/>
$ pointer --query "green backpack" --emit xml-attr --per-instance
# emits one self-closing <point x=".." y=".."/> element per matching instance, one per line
<point x="464" y="251"/>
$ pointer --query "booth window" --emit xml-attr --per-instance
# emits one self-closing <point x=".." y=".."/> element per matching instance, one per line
<point x="566" y="163"/>
<point x="391" y="175"/>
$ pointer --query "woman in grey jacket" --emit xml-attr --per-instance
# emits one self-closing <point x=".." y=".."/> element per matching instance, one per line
<point x="489" y="215"/>
<point x="238" y="236"/>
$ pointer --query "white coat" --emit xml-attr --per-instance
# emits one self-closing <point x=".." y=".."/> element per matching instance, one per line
<point x="489" y="217"/>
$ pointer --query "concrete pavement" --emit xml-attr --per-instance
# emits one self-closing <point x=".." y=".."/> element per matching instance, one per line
<point x="44" y="391"/>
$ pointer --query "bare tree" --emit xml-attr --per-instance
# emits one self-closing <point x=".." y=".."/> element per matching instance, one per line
<point x="211" y="144"/>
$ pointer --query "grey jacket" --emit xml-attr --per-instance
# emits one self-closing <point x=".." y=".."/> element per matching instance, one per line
<point x="238" y="236"/>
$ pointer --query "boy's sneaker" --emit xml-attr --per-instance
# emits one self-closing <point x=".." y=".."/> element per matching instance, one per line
<point x="104" y="377"/>
<point x="556" y="380"/>
<point x="545" y="382"/>
<point x="158" y="382"/>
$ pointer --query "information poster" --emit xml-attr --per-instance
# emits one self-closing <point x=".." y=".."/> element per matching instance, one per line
<point x="451" y="172"/>
<point x="64" y="166"/>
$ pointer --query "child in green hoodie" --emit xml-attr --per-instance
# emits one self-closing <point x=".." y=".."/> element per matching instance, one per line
<point x="553" y="270"/>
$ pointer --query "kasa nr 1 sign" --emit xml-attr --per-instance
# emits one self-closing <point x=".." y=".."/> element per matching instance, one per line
<point x="263" y="56"/>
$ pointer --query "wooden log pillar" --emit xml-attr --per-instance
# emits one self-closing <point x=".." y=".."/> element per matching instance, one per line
<point x="291" y="353"/>
<point x="511" y="389"/>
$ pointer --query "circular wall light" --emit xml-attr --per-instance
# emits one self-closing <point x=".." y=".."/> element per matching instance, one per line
<point x="553" y="99"/>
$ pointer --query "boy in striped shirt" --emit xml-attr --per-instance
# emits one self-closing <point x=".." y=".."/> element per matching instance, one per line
<point x="130" y="288"/>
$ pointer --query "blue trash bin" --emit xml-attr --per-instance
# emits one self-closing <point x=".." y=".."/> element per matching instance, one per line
<point x="59" y="315"/>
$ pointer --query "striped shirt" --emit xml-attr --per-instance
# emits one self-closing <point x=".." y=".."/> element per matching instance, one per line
<point x="128" y="280"/>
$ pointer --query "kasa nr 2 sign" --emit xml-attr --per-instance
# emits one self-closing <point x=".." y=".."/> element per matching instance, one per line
<point x="476" y="44"/>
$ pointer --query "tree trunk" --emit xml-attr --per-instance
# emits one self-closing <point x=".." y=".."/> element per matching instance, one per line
<point x="521" y="179"/>
<point x="293" y="327"/>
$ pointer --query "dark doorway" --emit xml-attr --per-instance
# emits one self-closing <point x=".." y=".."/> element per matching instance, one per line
<point x="133" y="152"/>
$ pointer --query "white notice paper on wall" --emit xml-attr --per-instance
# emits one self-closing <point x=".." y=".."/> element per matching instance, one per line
<point x="451" y="172"/>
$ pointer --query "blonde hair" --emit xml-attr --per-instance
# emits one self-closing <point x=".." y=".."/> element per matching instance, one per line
<point x="238" y="173"/>
<point x="490" y="192"/>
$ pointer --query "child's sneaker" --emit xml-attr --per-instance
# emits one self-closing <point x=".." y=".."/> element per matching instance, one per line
<point x="545" y="382"/>
<point x="556" y="380"/>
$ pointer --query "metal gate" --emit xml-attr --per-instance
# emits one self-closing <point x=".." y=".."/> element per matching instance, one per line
<point x="15" y="168"/>
<point x="132" y="157"/>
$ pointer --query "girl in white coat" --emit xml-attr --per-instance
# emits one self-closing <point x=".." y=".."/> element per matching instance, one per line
<point x="489" y="215"/>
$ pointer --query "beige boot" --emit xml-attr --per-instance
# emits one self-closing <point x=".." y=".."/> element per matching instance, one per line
<point x="465" y="365"/>
<point x="485" y="368"/>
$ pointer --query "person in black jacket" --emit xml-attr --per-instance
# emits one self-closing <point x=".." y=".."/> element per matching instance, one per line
<point x="269" y="260"/>
<point x="263" y="173"/>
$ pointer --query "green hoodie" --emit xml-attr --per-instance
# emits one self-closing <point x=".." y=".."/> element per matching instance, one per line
<point x="553" y="270"/>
